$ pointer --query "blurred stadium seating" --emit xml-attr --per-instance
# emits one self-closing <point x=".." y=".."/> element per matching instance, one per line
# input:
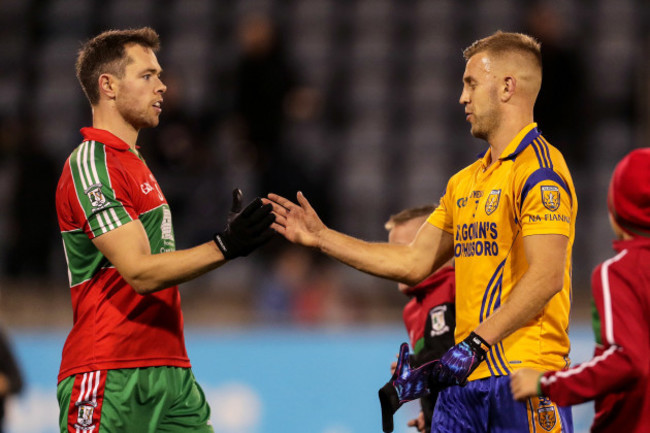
<point x="388" y="133"/>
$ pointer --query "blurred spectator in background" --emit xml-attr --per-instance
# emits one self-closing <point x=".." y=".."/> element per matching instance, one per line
<point x="30" y="200"/>
<point x="300" y="288"/>
<point x="287" y="276"/>
<point x="320" y="301"/>
<point x="11" y="381"/>
<point x="563" y="75"/>
<point x="269" y="94"/>
<point x="178" y="151"/>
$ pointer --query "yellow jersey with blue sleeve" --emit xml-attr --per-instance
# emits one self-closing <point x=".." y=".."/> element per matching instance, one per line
<point x="489" y="209"/>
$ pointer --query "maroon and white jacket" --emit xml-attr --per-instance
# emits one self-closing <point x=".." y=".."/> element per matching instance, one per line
<point x="618" y="376"/>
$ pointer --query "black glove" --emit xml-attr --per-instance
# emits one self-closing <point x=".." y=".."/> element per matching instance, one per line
<point x="235" y="208"/>
<point x="246" y="230"/>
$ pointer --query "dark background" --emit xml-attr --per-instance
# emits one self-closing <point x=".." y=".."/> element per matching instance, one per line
<point x="354" y="102"/>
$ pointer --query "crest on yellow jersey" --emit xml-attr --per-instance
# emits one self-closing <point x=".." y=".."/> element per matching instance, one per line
<point x="492" y="201"/>
<point x="551" y="197"/>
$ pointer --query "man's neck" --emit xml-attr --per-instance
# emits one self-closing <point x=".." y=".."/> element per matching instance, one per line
<point x="502" y="136"/>
<point x="116" y="125"/>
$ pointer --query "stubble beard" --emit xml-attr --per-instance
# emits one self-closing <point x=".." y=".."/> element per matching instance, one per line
<point x="137" y="118"/>
<point x="490" y="122"/>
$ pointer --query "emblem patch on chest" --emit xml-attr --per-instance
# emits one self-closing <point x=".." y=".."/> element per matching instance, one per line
<point x="551" y="197"/>
<point x="492" y="201"/>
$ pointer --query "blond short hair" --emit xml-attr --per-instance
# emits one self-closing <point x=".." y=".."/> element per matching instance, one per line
<point x="506" y="42"/>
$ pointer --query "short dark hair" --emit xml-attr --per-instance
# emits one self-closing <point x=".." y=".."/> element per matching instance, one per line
<point x="105" y="53"/>
<point x="502" y="42"/>
<point x="409" y="214"/>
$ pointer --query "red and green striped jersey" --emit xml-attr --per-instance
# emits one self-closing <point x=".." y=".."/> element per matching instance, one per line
<point x="104" y="185"/>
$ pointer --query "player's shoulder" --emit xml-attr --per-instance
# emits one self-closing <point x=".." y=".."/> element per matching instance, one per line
<point x="94" y="156"/>
<point x="540" y="154"/>
<point x="541" y="161"/>
<point x="87" y="151"/>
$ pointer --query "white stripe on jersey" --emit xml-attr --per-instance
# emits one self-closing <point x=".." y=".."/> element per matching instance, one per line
<point x="116" y="219"/>
<point x="607" y="297"/>
<point x="83" y="388"/>
<point x="573" y="371"/>
<point x="86" y="165"/>
<point x="91" y="377"/>
<point x="89" y="155"/>
<point x="80" y="158"/>
<point x="67" y="262"/>
<point x="97" y="378"/>
<point x="100" y="221"/>
<point x="107" y="217"/>
<point x="93" y="173"/>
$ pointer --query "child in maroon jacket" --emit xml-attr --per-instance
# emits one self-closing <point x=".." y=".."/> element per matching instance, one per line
<point x="618" y="376"/>
<point x="429" y="316"/>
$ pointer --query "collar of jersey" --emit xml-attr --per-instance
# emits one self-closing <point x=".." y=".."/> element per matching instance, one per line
<point x="517" y="144"/>
<point x="104" y="137"/>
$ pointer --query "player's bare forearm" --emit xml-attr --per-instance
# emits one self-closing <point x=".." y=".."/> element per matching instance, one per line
<point x="546" y="255"/>
<point x="159" y="271"/>
<point x="391" y="261"/>
<point x="127" y="248"/>
<point x="409" y="264"/>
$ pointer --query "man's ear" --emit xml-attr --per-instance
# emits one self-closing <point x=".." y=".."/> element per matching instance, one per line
<point x="107" y="86"/>
<point x="508" y="88"/>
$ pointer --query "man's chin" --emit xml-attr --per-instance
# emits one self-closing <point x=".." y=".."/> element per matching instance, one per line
<point x="147" y="124"/>
<point x="477" y="133"/>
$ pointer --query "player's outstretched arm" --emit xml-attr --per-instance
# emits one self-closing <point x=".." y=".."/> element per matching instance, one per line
<point x="299" y="223"/>
<point x="127" y="248"/>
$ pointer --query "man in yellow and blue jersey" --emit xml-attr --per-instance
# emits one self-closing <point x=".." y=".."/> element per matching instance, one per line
<point x="508" y="220"/>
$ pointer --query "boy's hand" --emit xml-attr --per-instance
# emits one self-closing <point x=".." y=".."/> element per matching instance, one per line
<point x="524" y="383"/>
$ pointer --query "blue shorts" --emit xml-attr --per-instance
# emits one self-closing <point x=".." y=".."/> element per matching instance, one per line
<point x="486" y="405"/>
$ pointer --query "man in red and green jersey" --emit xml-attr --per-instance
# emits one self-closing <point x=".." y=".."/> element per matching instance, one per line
<point x="124" y="366"/>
